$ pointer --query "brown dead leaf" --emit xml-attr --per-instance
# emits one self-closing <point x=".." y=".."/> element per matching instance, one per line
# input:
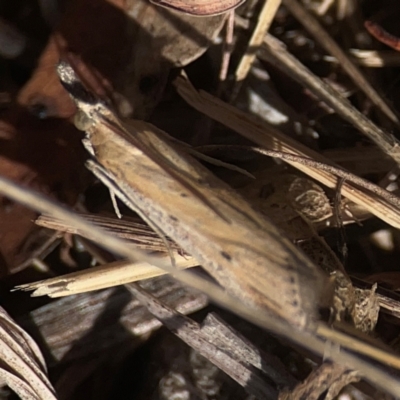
<point x="125" y="49"/>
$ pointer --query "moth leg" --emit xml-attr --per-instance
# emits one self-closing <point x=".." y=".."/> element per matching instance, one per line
<point x="107" y="179"/>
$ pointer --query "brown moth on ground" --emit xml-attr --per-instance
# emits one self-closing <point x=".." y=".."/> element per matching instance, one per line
<point x="179" y="198"/>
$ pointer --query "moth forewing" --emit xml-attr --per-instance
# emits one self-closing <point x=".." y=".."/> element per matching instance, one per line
<point x="243" y="251"/>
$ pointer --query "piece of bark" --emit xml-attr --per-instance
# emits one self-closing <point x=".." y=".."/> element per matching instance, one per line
<point x="70" y="328"/>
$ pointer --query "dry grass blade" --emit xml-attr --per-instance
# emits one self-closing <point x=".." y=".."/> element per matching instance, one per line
<point x="303" y="338"/>
<point x="270" y="138"/>
<point x="265" y="18"/>
<point x="104" y="276"/>
<point x="226" y="51"/>
<point x="324" y="39"/>
<point x="22" y="364"/>
<point x="112" y="274"/>
<point x="275" y="50"/>
<point x="132" y="230"/>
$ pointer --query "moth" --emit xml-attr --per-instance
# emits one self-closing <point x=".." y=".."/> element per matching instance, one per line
<point x="181" y="199"/>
